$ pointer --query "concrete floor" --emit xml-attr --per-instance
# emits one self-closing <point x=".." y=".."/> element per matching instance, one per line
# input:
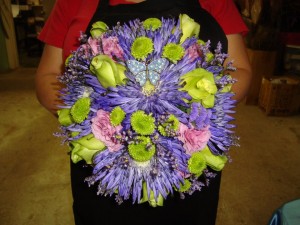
<point x="34" y="174"/>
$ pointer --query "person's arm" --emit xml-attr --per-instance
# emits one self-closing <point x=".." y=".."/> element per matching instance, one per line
<point x="47" y="85"/>
<point x="237" y="52"/>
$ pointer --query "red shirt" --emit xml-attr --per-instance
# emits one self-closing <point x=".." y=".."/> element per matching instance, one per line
<point x="70" y="17"/>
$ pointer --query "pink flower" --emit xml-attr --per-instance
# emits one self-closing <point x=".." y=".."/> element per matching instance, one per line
<point x="104" y="130"/>
<point x="193" y="140"/>
<point x="112" y="48"/>
<point x="92" y="44"/>
<point x="192" y="52"/>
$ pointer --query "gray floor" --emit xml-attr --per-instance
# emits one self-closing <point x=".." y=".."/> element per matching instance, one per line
<point x="34" y="174"/>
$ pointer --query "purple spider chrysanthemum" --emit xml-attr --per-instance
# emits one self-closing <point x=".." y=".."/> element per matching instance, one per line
<point x="117" y="171"/>
<point x="221" y="128"/>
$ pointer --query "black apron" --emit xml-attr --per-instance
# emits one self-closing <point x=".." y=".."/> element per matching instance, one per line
<point x="197" y="209"/>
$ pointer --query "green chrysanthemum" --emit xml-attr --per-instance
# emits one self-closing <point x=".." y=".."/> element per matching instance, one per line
<point x="141" y="47"/>
<point x="117" y="115"/>
<point x="142" y="123"/>
<point x="186" y="186"/>
<point x="173" y="52"/>
<point x="162" y="130"/>
<point x="169" y="127"/>
<point x="152" y="23"/>
<point x="140" y="151"/>
<point x="197" y="163"/>
<point x="81" y="109"/>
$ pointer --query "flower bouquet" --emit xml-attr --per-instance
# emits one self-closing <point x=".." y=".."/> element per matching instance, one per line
<point x="147" y="105"/>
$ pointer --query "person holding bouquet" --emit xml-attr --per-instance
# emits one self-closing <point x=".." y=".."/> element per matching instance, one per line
<point x="220" y="23"/>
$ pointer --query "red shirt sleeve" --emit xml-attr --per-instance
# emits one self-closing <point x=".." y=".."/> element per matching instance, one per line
<point x="67" y="20"/>
<point x="226" y="14"/>
<point x="57" y="24"/>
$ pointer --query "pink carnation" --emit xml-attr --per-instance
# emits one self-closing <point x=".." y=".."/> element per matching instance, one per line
<point x="104" y="130"/>
<point x="192" y="52"/>
<point x="92" y="44"/>
<point x="193" y="139"/>
<point x="112" y="48"/>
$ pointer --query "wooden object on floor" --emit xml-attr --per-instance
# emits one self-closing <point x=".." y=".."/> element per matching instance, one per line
<point x="263" y="65"/>
<point x="279" y="96"/>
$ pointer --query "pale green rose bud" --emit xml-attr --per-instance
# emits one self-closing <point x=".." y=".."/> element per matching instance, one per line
<point x="107" y="71"/>
<point x="98" y="28"/>
<point x="120" y="79"/>
<point x="154" y="202"/>
<point x="68" y="59"/>
<point x="200" y="85"/>
<point x="216" y="162"/>
<point x="189" y="27"/>
<point x="85" y="148"/>
<point x="64" y="117"/>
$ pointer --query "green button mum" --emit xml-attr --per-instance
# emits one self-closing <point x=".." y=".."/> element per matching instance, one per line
<point x="141" y="47"/>
<point x="197" y="163"/>
<point x="140" y="152"/>
<point x="142" y="123"/>
<point x="152" y="23"/>
<point x="117" y="115"/>
<point x="173" y="52"/>
<point x="81" y="109"/>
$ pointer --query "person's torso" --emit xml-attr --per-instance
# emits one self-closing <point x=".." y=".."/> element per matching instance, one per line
<point x="209" y="28"/>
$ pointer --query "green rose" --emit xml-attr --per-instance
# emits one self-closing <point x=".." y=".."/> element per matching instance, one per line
<point x="188" y="26"/>
<point x="107" y="71"/>
<point x="85" y="148"/>
<point x="200" y="85"/>
<point x="64" y="117"/>
<point x="98" y="28"/>
<point x="154" y="202"/>
<point x="216" y="162"/>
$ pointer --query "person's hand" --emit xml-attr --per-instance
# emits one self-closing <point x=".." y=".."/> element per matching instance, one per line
<point x="237" y="52"/>
<point x="47" y="85"/>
